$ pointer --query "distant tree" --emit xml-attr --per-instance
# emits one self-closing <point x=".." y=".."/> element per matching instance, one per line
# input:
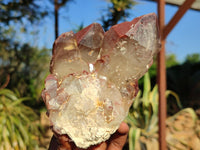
<point x="171" y="60"/>
<point x="193" y="58"/>
<point x="78" y="28"/>
<point x="18" y="12"/>
<point x="22" y="66"/>
<point x="117" y="11"/>
<point x="57" y="5"/>
<point x="26" y="67"/>
<point x="15" y="10"/>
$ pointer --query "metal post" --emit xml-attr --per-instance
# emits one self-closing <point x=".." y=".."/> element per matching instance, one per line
<point x="162" y="78"/>
<point x="176" y="18"/>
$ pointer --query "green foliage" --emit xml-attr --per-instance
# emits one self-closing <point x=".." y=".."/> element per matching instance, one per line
<point x="18" y="129"/>
<point x="78" y="28"/>
<point x="118" y="10"/>
<point x="15" y="10"/>
<point x="122" y="4"/>
<point x="171" y="60"/>
<point x="16" y="16"/>
<point x="193" y="58"/>
<point x="183" y="130"/>
<point x="27" y="67"/>
<point x="143" y="116"/>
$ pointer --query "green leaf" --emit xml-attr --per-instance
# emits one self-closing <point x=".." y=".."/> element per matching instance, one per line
<point x="134" y="135"/>
<point x="5" y="139"/>
<point x="147" y="88"/>
<point x="22" y="129"/>
<point x="153" y="98"/>
<point x="24" y="118"/>
<point x="19" y="101"/>
<point x="21" y="143"/>
<point x="137" y="100"/>
<point x="9" y="128"/>
<point x="8" y="93"/>
<point x="169" y="92"/>
<point x="131" y="120"/>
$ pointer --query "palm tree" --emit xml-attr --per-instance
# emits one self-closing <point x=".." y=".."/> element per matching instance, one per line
<point x="117" y="11"/>
<point x="57" y="5"/>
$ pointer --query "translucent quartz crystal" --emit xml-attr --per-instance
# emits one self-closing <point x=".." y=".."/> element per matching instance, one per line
<point x="128" y="49"/>
<point x="66" y="57"/>
<point x="86" y="107"/>
<point x="90" y="40"/>
<point x="94" y="76"/>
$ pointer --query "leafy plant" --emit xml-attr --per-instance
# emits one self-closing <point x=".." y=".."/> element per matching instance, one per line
<point x="118" y="10"/>
<point x="183" y="130"/>
<point x="18" y="129"/>
<point x="27" y="66"/>
<point x="143" y="116"/>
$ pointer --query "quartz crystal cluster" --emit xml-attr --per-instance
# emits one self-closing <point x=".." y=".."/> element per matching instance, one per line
<point x="94" y="76"/>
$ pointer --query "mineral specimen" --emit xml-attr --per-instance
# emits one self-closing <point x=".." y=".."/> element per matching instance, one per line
<point x="94" y="76"/>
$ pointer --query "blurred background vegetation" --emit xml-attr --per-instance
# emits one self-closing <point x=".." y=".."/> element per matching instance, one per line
<point x="23" y="68"/>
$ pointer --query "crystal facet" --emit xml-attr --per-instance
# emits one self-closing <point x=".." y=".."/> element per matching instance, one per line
<point x="94" y="76"/>
<point x="89" y="42"/>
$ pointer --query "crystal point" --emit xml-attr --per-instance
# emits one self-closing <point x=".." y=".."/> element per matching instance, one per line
<point x="66" y="57"/>
<point x="89" y="42"/>
<point x="94" y="77"/>
<point x="130" y="47"/>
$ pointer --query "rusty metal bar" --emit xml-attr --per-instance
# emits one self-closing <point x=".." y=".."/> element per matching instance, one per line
<point x="161" y="79"/>
<point x="179" y="14"/>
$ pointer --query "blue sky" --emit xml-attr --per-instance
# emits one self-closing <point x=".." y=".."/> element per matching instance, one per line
<point x="184" y="38"/>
